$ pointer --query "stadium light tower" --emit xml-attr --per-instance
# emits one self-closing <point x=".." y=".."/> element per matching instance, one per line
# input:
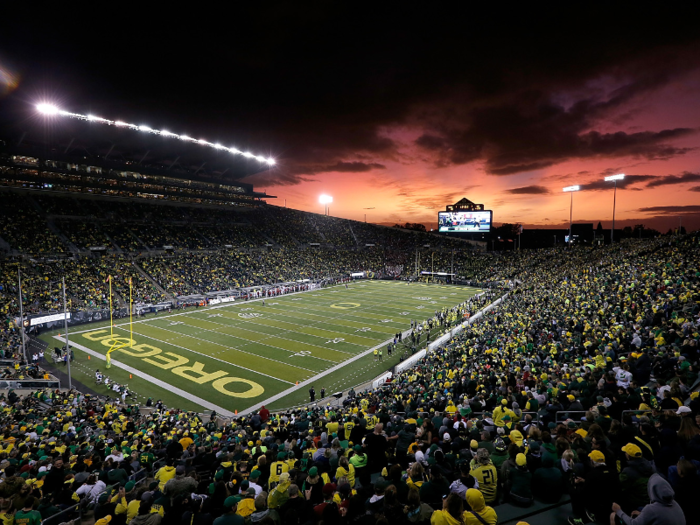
<point x="571" y="189"/>
<point x="325" y="200"/>
<point x="52" y="110"/>
<point x="47" y="109"/>
<point x="614" y="178"/>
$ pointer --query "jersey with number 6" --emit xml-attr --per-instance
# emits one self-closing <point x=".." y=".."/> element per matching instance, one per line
<point x="276" y="470"/>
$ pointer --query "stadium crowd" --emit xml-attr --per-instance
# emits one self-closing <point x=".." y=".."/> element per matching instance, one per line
<point x="579" y="385"/>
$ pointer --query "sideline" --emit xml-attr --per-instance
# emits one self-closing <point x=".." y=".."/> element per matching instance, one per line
<point x="192" y="310"/>
<point x="166" y="386"/>
<point x="312" y="379"/>
<point x="315" y="378"/>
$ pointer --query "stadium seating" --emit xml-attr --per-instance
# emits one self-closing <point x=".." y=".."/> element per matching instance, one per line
<point x="210" y="248"/>
<point x="590" y="361"/>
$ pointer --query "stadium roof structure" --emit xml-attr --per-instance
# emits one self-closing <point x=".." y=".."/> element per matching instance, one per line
<point x="81" y="141"/>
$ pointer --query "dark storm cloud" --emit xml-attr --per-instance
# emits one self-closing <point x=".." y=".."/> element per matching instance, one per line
<point x="342" y="167"/>
<point x="674" y="179"/>
<point x="277" y="177"/>
<point x="630" y="180"/>
<point x="520" y="95"/>
<point x="671" y="209"/>
<point x="511" y="141"/>
<point x="289" y="176"/>
<point x="528" y="190"/>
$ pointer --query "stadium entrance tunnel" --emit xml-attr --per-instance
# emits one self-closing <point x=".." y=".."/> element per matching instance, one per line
<point x="180" y="366"/>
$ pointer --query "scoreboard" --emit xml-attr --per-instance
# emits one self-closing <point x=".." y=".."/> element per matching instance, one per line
<point x="465" y="221"/>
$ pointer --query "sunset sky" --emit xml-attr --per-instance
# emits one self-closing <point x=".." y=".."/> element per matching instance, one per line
<point x="402" y="112"/>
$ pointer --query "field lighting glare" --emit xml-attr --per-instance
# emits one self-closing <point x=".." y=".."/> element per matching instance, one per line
<point x="325" y="200"/>
<point x="50" y="109"/>
<point x="619" y="176"/>
<point x="614" y="178"/>
<point x="571" y="189"/>
<point x="47" y="109"/>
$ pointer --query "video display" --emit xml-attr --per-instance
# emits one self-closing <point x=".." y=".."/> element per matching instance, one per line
<point x="464" y="221"/>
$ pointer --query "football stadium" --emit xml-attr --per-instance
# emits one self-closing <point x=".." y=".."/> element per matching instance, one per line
<point x="180" y="347"/>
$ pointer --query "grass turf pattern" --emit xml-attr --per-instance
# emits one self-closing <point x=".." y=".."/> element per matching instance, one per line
<point x="240" y="354"/>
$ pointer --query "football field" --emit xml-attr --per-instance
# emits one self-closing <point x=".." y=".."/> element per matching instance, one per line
<point x="240" y="355"/>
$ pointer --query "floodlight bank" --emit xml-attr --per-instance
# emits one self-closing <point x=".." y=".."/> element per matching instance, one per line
<point x="50" y="109"/>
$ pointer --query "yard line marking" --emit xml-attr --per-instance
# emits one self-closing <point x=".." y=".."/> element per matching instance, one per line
<point x="315" y="378"/>
<point x="250" y="342"/>
<point x="236" y="323"/>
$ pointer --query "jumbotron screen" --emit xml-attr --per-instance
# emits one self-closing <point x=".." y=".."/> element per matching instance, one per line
<point x="464" y="221"/>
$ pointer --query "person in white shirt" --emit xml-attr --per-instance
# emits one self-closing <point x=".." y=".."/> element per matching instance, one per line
<point x="420" y="458"/>
<point x="636" y="340"/>
<point x="116" y="456"/>
<point x="92" y="488"/>
<point x="623" y="376"/>
<point x="252" y="483"/>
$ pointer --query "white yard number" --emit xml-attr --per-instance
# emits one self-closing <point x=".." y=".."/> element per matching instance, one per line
<point x="423" y="298"/>
<point x="443" y="297"/>
<point x="336" y="340"/>
<point x="417" y="307"/>
<point x="403" y="313"/>
<point x="249" y="316"/>
<point x="175" y="323"/>
<point x="214" y="315"/>
<point x="385" y="321"/>
<point x="302" y="353"/>
<point x="364" y="329"/>
<point x="246" y="309"/>
<point x="296" y="299"/>
<point x="453" y="294"/>
<point x="433" y="302"/>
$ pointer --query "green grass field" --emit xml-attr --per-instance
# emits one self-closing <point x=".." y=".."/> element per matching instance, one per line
<point x="236" y="356"/>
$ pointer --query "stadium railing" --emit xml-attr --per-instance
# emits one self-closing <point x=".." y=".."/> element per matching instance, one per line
<point x="138" y="475"/>
<point x="635" y="412"/>
<point x="565" y="414"/>
<point x="66" y="515"/>
<point x="561" y="413"/>
<point x="29" y="384"/>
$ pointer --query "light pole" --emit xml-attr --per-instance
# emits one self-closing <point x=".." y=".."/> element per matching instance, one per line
<point x="21" y="315"/>
<point x="571" y="189"/>
<point x="325" y="200"/>
<point x="65" y="324"/>
<point x="614" y="178"/>
<point x="366" y="214"/>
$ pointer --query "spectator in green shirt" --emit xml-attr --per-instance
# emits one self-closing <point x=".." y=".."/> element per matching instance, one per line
<point x="28" y="516"/>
